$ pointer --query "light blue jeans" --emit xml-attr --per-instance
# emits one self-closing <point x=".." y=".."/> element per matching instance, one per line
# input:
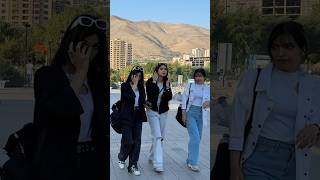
<point x="194" y="126"/>
<point x="271" y="160"/>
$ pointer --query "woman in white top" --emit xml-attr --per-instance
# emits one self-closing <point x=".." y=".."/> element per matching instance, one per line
<point x="285" y="122"/>
<point x="195" y="104"/>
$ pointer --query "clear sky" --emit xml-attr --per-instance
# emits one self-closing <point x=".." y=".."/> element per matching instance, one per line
<point x="195" y="12"/>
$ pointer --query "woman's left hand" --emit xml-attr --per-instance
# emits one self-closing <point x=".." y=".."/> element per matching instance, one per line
<point x="308" y="136"/>
<point x="206" y="104"/>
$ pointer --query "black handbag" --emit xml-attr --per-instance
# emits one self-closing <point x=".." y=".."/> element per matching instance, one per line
<point x="221" y="167"/>
<point x="179" y="112"/>
<point x="115" y="120"/>
<point x="23" y="148"/>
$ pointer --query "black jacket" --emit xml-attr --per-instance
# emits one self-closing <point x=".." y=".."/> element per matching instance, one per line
<point x="153" y="93"/>
<point x="128" y="100"/>
<point x="57" y="116"/>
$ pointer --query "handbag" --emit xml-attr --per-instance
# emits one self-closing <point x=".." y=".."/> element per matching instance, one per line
<point x="115" y="120"/>
<point x="23" y="148"/>
<point x="179" y="112"/>
<point x="221" y="167"/>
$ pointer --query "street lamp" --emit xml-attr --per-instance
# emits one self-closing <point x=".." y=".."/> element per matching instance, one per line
<point x="26" y="25"/>
<point x="50" y="44"/>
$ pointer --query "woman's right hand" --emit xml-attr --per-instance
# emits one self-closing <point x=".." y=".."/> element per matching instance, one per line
<point x="80" y="57"/>
<point x="134" y="80"/>
<point x="235" y="168"/>
<point x="184" y="116"/>
<point x="236" y="174"/>
<point x="155" y="76"/>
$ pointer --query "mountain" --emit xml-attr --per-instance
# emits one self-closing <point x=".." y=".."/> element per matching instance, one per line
<point x="154" y="39"/>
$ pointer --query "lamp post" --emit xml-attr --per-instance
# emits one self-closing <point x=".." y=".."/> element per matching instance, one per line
<point x="50" y="45"/>
<point x="26" y="25"/>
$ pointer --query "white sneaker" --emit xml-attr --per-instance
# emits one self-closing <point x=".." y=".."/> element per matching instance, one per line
<point x="194" y="168"/>
<point x="158" y="169"/>
<point x="121" y="164"/>
<point x="134" y="170"/>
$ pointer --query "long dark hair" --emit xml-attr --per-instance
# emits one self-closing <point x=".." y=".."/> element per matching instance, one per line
<point x="135" y="72"/>
<point x="98" y="70"/>
<point x="141" y="81"/>
<point x="156" y="69"/>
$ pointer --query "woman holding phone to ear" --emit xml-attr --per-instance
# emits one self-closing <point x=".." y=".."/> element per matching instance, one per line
<point x="159" y="94"/>
<point x="132" y="115"/>
<point x="70" y="105"/>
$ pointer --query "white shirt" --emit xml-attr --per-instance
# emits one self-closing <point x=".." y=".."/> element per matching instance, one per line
<point x="308" y="112"/>
<point x="197" y="92"/>
<point x="160" y="85"/>
<point x="85" y="118"/>
<point x="283" y="114"/>
<point x="136" y="99"/>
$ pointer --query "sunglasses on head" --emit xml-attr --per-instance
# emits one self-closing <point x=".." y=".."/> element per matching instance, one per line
<point x="162" y="64"/>
<point x="88" y="22"/>
<point x="138" y="68"/>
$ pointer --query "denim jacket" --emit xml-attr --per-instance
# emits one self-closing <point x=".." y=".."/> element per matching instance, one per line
<point x="308" y="112"/>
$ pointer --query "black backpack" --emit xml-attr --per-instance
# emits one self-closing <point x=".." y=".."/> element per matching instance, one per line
<point x="22" y="147"/>
<point x="115" y="120"/>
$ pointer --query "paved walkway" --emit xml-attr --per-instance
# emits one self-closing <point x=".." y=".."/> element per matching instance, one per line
<point x="175" y="153"/>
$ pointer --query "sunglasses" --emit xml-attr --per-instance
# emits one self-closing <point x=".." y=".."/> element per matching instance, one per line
<point x="88" y="22"/>
<point x="162" y="64"/>
<point x="138" y="68"/>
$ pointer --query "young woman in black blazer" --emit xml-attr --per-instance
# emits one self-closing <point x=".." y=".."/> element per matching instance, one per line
<point x="159" y="94"/>
<point x="132" y="115"/>
<point x="70" y="101"/>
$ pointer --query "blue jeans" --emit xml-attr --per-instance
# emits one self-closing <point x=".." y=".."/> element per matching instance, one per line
<point x="271" y="160"/>
<point x="194" y="126"/>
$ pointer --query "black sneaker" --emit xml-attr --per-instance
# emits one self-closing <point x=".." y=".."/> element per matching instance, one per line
<point x="134" y="170"/>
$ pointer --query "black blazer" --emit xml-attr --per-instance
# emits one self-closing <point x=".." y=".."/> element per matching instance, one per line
<point x="153" y="93"/>
<point x="128" y="100"/>
<point x="57" y="116"/>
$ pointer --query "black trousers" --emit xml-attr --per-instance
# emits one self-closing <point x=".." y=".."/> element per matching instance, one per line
<point x="131" y="142"/>
<point x="91" y="165"/>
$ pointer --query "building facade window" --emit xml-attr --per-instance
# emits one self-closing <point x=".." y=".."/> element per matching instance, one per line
<point x="267" y="3"/>
<point x="279" y="2"/>
<point x="279" y="10"/>
<point x="281" y="7"/>
<point x="292" y="10"/>
<point x="24" y="17"/>
<point x="293" y="2"/>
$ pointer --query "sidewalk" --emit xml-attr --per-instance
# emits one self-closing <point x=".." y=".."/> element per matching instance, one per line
<point x="175" y="153"/>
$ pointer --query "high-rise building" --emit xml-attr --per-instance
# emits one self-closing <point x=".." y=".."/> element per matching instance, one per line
<point x="197" y="52"/>
<point x="61" y="5"/>
<point x="207" y="53"/>
<point x="292" y="8"/>
<point x="20" y="12"/>
<point x="120" y="54"/>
